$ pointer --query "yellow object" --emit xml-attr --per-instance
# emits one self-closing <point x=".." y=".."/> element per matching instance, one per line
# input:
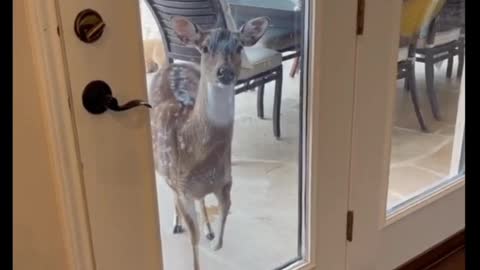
<point x="415" y="13"/>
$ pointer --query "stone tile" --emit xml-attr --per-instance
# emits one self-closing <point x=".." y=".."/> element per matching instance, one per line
<point x="406" y="181"/>
<point x="447" y="130"/>
<point x="408" y="145"/>
<point x="261" y="231"/>
<point x="439" y="161"/>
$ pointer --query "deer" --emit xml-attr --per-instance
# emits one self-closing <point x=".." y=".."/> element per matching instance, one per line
<point x="192" y="122"/>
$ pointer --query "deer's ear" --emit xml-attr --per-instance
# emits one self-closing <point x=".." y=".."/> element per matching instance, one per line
<point x="186" y="31"/>
<point x="253" y="30"/>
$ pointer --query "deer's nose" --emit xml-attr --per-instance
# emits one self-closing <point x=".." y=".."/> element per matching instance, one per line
<point x="225" y="75"/>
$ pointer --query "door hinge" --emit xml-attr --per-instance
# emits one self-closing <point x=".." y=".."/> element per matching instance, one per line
<point x="349" y="226"/>
<point x="360" y="17"/>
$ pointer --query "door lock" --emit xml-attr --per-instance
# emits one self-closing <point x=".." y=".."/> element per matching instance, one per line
<point x="89" y="26"/>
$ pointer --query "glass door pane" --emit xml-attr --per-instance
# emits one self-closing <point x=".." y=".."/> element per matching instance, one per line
<point x="428" y="131"/>
<point x="264" y="228"/>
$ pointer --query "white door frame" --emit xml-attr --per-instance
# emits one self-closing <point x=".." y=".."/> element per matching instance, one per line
<point x="95" y="244"/>
<point x="331" y="73"/>
<point x="378" y="242"/>
<point x="53" y="82"/>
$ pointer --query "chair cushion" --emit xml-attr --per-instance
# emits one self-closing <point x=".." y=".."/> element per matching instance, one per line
<point x="441" y="38"/>
<point x="279" y="38"/>
<point x="261" y="60"/>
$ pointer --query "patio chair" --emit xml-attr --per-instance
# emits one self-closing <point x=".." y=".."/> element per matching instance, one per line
<point x="284" y="34"/>
<point x="443" y="39"/>
<point x="259" y="65"/>
<point x="414" y="13"/>
<point x="406" y="71"/>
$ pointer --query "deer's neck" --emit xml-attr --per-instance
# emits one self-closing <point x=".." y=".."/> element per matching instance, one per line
<point x="215" y="104"/>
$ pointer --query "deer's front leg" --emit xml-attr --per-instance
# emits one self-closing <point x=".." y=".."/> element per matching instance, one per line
<point x="186" y="208"/>
<point x="223" y="197"/>
<point x="177" y="225"/>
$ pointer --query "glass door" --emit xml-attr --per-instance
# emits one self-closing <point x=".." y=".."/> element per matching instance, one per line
<point x="213" y="134"/>
<point x="408" y="142"/>
<point x="267" y="158"/>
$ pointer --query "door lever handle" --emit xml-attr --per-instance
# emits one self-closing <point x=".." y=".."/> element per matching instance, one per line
<point x="98" y="98"/>
<point x="112" y="104"/>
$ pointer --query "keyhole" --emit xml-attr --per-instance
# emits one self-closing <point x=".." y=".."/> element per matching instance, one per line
<point x="89" y="26"/>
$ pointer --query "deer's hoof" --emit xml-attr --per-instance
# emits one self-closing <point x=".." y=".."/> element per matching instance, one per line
<point x="217" y="246"/>
<point x="210" y="236"/>
<point x="178" y="229"/>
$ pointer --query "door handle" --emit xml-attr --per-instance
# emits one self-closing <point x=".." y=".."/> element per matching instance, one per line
<point x="98" y="98"/>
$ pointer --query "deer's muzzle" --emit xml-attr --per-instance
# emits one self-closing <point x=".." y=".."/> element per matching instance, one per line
<point x="225" y="75"/>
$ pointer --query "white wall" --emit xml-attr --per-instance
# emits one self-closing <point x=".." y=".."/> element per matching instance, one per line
<point x="37" y="222"/>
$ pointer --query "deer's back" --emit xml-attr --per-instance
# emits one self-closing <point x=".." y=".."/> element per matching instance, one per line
<point x="172" y="95"/>
<point x="188" y="154"/>
<point x="175" y="85"/>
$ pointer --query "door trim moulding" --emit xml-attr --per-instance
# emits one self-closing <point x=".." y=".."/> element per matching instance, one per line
<point x="51" y="76"/>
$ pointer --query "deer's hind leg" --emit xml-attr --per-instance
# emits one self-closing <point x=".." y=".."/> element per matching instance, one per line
<point x="223" y="197"/>
<point x="186" y="207"/>
<point x="208" y="228"/>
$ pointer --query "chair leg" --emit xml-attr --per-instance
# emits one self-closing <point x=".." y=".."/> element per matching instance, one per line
<point x="295" y="66"/>
<point x="414" y="95"/>
<point x="461" y="60"/>
<point x="260" y="94"/>
<point x="406" y="85"/>
<point x="277" y="101"/>
<point x="450" y="64"/>
<point x="429" y="77"/>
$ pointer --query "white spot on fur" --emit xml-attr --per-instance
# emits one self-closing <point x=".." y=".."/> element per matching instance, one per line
<point x="182" y="142"/>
